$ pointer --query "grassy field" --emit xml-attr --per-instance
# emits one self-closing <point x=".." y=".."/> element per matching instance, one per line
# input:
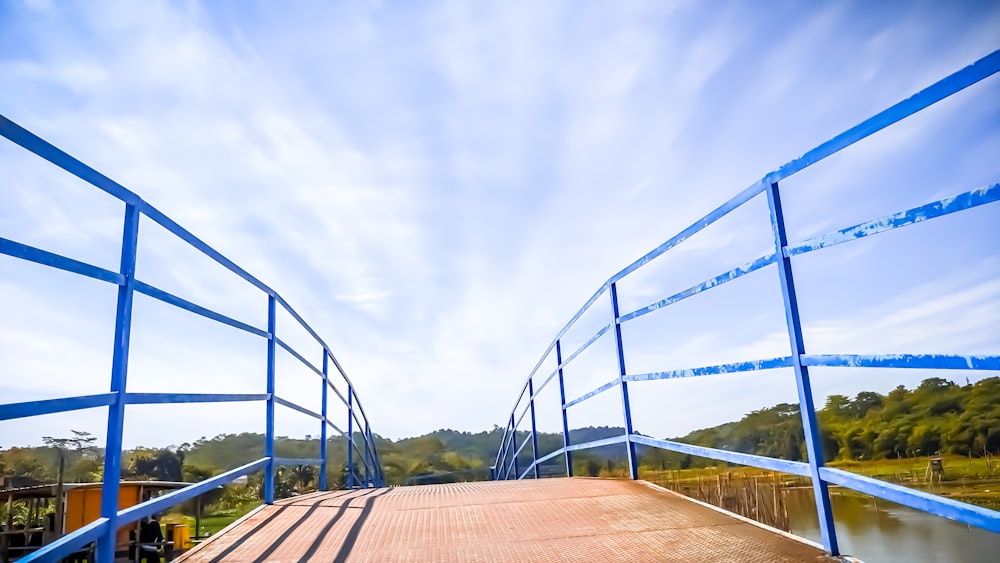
<point x="210" y="524"/>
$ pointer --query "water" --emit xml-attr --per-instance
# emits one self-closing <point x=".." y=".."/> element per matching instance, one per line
<point x="889" y="532"/>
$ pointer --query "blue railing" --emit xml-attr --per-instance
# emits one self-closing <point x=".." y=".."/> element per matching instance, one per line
<point x="507" y="465"/>
<point x="103" y="530"/>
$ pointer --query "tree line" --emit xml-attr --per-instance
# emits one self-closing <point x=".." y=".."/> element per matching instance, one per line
<point x="937" y="417"/>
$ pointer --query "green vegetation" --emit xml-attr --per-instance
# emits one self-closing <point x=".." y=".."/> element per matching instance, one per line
<point x="884" y="436"/>
<point x="938" y="417"/>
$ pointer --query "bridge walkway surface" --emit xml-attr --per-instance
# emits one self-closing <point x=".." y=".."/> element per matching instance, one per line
<point x="565" y="519"/>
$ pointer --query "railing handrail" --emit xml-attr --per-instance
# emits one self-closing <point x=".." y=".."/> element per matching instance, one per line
<point x="934" y="93"/>
<point x="506" y="461"/>
<point x="104" y="529"/>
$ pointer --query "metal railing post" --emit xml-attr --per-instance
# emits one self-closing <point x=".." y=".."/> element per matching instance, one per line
<point x="119" y="374"/>
<point x="562" y="402"/>
<point x="633" y="468"/>
<point x="806" y="406"/>
<point x="501" y="461"/>
<point x="350" y="436"/>
<point x="513" y="447"/>
<point x="376" y="462"/>
<point x="322" y="431"/>
<point x="269" y="422"/>
<point x="534" y="429"/>
<point x="368" y="456"/>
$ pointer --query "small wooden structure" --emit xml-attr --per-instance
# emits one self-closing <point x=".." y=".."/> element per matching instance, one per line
<point x="76" y="505"/>
<point x="935" y="470"/>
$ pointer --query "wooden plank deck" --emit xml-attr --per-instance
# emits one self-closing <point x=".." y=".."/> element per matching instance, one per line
<point x="575" y="519"/>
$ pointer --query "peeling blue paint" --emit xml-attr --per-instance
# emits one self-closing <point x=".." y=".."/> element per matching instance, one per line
<point x="731" y="275"/>
<point x="600" y="389"/>
<point x="905" y="361"/>
<point x="544" y="383"/>
<point x="597" y="443"/>
<point x="752" y="365"/>
<point x="604" y="329"/>
<point x="967" y="200"/>
<point x="977" y="71"/>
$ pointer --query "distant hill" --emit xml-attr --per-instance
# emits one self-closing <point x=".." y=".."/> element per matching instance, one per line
<point x="937" y="416"/>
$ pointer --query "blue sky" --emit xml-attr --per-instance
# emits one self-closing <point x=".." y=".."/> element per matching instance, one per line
<point x="438" y="187"/>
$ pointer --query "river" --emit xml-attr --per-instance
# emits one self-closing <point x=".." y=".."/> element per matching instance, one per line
<point x="889" y="532"/>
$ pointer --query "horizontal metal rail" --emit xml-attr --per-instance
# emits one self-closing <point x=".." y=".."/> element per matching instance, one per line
<point x="546" y="381"/>
<point x="596" y="443"/>
<point x="736" y="367"/>
<point x="53" y="260"/>
<point x="52" y="406"/>
<point x="910" y="361"/>
<point x="799" y="361"/>
<point x="601" y="332"/>
<point x="168" y="398"/>
<point x="70" y="543"/>
<point x="298" y="357"/>
<point x="731" y="275"/>
<point x="597" y="391"/>
<point x="933" y="210"/>
<point x="927" y="502"/>
<point x="181" y="303"/>
<point x="793" y="467"/>
<point x="297" y="408"/>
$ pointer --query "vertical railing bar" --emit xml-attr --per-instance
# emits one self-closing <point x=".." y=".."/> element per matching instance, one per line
<point x="562" y="401"/>
<point x="368" y="480"/>
<point x="379" y="472"/>
<point x="501" y="463"/>
<point x="807" y="408"/>
<point x="322" y="433"/>
<point x="633" y="468"/>
<point x="534" y="429"/>
<point x="513" y="447"/>
<point x="511" y="438"/>
<point x="508" y="464"/>
<point x="119" y="377"/>
<point x="350" y="436"/>
<point x="503" y="442"/>
<point x="269" y="416"/>
<point x="378" y="464"/>
<point x="371" y="444"/>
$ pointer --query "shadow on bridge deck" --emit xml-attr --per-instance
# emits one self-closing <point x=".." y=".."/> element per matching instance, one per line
<point x="575" y="519"/>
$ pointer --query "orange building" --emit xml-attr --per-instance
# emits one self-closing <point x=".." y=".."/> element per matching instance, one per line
<point x="82" y="505"/>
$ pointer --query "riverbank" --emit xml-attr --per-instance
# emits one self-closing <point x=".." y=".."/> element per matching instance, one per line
<point x="972" y="480"/>
<point x="759" y="494"/>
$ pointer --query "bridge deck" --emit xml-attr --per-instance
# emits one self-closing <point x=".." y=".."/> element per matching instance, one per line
<point x="573" y="519"/>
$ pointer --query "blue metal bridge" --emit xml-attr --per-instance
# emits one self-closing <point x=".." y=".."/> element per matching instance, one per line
<point x="516" y="459"/>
